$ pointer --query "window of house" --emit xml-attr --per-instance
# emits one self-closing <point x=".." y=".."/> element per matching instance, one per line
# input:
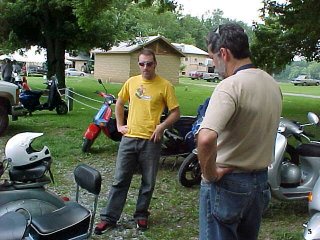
<point x="186" y="59"/>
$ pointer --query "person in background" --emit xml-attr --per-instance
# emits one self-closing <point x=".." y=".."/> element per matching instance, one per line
<point x="25" y="85"/>
<point x="84" y="68"/>
<point x="16" y="68"/>
<point x="147" y="94"/>
<point x="236" y="140"/>
<point x="6" y="71"/>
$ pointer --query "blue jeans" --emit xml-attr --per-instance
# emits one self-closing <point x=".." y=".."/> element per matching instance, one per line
<point x="133" y="153"/>
<point x="232" y="207"/>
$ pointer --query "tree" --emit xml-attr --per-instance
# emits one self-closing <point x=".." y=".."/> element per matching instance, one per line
<point x="60" y="25"/>
<point x="290" y="29"/>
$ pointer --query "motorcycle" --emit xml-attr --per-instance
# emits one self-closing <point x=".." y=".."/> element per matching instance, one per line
<point x="178" y="140"/>
<point x="102" y="121"/>
<point x="30" y="211"/>
<point x="30" y="99"/>
<point x="293" y="171"/>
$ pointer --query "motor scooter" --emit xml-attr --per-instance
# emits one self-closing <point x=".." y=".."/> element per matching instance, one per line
<point x="293" y="171"/>
<point x="30" y="99"/>
<point x="47" y="215"/>
<point x="102" y="121"/>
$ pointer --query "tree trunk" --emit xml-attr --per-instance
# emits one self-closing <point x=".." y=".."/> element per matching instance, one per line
<point x="55" y="47"/>
<point x="55" y="59"/>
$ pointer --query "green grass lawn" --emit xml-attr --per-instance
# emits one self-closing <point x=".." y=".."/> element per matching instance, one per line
<point x="174" y="209"/>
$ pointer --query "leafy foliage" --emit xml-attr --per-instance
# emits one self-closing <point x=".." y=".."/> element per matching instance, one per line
<point x="58" y="25"/>
<point x="290" y="29"/>
<point x="297" y="68"/>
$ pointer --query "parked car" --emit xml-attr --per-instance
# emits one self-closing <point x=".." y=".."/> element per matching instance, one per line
<point x="211" y="77"/>
<point x="74" y="72"/>
<point x="34" y="70"/>
<point x="305" y="80"/>
<point x="196" y="74"/>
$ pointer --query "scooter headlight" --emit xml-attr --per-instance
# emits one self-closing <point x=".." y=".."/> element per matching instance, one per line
<point x="109" y="100"/>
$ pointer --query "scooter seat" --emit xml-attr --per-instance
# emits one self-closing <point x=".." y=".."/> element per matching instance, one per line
<point x="12" y="226"/>
<point x="33" y="92"/>
<point x="309" y="150"/>
<point x="65" y="223"/>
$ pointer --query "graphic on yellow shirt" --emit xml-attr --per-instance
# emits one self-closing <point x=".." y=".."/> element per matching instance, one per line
<point x="140" y="93"/>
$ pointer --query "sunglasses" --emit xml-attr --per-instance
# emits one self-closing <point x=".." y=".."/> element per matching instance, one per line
<point x="148" y="64"/>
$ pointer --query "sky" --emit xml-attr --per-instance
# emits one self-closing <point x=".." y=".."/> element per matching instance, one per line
<point x="241" y="10"/>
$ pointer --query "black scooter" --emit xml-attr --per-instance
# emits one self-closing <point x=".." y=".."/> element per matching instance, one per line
<point x="28" y="211"/>
<point x="30" y="99"/>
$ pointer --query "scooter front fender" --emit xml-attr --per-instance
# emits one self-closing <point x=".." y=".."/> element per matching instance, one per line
<point x="312" y="229"/>
<point x="92" y="131"/>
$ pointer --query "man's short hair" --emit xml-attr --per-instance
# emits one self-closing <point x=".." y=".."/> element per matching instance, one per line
<point x="148" y="52"/>
<point x="231" y="36"/>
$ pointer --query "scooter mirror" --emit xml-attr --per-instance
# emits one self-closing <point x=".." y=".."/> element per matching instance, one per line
<point x="313" y="118"/>
<point x="99" y="81"/>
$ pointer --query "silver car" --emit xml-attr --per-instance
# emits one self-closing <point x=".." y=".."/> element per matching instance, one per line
<point x="74" y="72"/>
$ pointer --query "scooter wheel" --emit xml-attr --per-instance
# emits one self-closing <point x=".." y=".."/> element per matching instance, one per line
<point x="62" y="109"/>
<point x="189" y="172"/>
<point x="86" y="145"/>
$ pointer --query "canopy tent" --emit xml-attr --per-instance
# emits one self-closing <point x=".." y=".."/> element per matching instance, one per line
<point x="6" y="56"/>
<point x="32" y="56"/>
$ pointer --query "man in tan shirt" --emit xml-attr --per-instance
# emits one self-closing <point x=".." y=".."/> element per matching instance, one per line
<point x="236" y="139"/>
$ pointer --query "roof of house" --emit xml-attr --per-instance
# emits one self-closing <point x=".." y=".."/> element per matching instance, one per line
<point x="189" y="49"/>
<point x="136" y="44"/>
<point x="80" y="57"/>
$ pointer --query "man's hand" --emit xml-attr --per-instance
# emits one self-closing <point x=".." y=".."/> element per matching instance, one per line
<point x="158" y="133"/>
<point x="122" y="129"/>
<point x="219" y="173"/>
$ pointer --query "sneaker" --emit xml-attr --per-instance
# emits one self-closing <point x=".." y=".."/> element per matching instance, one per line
<point x="142" y="224"/>
<point x="103" y="226"/>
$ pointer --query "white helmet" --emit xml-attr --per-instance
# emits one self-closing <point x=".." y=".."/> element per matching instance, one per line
<point x="20" y="152"/>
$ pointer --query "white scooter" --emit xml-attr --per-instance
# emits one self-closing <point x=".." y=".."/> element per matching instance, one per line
<point x="294" y="170"/>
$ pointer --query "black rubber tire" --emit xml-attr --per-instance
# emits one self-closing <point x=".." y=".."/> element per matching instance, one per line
<point x="86" y="145"/>
<point x="62" y="108"/>
<point x="189" y="172"/>
<point x="4" y="119"/>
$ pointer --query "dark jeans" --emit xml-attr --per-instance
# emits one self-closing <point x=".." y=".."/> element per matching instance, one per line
<point x="133" y="152"/>
<point x="231" y="209"/>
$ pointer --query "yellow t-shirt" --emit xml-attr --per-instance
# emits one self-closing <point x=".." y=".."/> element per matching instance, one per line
<point x="147" y="100"/>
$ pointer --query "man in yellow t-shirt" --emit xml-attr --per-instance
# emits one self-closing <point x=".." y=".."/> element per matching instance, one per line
<point x="147" y="94"/>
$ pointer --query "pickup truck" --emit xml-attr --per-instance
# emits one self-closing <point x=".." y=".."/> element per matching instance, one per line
<point x="305" y="80"/>
<point x="9" y="104"/>
<point x="211" y="77"/>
